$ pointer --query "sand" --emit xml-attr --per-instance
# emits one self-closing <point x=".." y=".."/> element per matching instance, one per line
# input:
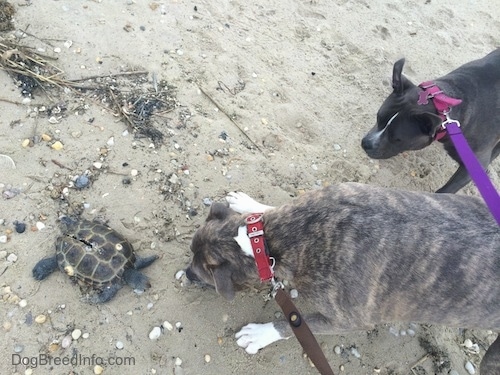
<point x="268" y="97"/>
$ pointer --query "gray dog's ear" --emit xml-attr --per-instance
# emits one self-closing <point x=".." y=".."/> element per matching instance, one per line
<point x="218" y="211"/>
<point x="398" y="80"/>
<point x="223" y="282"/>
<point x="429" y="123"/>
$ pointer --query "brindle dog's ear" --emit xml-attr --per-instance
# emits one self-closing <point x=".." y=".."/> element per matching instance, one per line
<point x="218" y="211"/>
<point x="397" y="77"/>
<point x="223" y="282"/>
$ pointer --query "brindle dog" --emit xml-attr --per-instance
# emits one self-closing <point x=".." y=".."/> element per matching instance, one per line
<point x="363" y="255"/>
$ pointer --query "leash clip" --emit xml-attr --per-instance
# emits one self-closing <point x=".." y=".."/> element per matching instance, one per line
<point x="448" y="120"/>
<point x="276" y="285"/>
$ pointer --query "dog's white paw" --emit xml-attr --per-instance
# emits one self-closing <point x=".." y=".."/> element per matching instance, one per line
<point x="242" y="203"/>
<point x="254" y="336"/>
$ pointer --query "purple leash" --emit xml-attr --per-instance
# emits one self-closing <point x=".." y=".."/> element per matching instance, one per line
<point x="475" y="169"/>
<point x="443" y="103"/>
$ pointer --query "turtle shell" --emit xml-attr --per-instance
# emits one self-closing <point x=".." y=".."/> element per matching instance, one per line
<point x="94" y="253"/>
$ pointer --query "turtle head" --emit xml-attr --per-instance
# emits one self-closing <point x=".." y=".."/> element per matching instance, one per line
<point x="68" y="223"/>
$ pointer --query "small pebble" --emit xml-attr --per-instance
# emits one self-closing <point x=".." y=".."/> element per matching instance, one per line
<point x="40" y="319"/>
<point x="66" y="341"/>
<point x="178" y="361"/>
<point x="28" y="371"/>
<point x="207" y="358"/>
<point x="12" y="258"/>
<point x="3" y="239"/>
<point x="178" y="325"/>
<point x="155" y="333"/>
<point x="150" y="305"/>
<point x="40" y="225"/>
<point x="394" y="331"/>
<point x="58" y="146"/>
<point x="23" y="303"/>
<point x="18" y="348"/>
<point x="454" y="372"/>
<point x="86" y="335"/>
<point x="3" y="254"/>
<point x="410" y="332"/>
<point x="167" y="325"/>
<point x="119" y="345"/>
<point x="470" y="368"/>
<point x="294" y="293"/>
<point x="76" y="334"/>
<point x="468" y="343"/>
<point x="179" y="274"/>
<point x="98" y="370"/>
<point x="337" y="349"/>
<point x="82" y="182"/>
<point x="20" y="227"/>
<point x="25" y="143"/>
<point x="207" y="202"/>
<point x="97" y="165"/>
<point x="134" y="172"/>
<point x="111" y="141"/>
<point x="355" y="353"/>
<point x="337" y="147"/>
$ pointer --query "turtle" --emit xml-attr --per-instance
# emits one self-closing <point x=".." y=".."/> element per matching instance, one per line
<point x="93" y="254"/>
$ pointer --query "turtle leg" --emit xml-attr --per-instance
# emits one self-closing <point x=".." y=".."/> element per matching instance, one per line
<point x="105" y="295"/>
<point x="44" y="268"/>
<point x="136" y="280"/>
<point x="144" y="262"/>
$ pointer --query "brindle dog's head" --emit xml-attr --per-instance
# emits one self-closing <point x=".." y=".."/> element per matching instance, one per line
<point x="217" y="258"/>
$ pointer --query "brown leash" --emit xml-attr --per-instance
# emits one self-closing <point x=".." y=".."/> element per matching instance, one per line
<point x="302" y="332"/>
<point x="265" y="266"/>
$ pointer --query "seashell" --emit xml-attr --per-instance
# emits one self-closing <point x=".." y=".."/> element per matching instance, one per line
<point x="6" y="162"/>
<point x="66" y="341"/>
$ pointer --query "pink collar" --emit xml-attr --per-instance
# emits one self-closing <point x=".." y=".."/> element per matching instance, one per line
<point x="255" y="231"/>
<point x="441" y="101"/>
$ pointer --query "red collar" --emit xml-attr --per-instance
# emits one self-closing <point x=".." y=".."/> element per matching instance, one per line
<point x="255" y="231"/>
<point x="441" y="101"/>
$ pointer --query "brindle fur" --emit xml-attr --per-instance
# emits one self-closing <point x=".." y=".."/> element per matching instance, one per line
<point x="366" y="255"/>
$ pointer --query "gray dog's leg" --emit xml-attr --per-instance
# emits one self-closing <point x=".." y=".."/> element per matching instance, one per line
<point x="490" y="365"/>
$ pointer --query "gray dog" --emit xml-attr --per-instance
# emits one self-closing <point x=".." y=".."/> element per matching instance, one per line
<point x="403" y="124"/>
<point x="362" y="256"/>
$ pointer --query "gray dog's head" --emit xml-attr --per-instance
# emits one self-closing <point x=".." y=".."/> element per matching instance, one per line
<point x="217" y="258"/>
<point x="402" y="124"/>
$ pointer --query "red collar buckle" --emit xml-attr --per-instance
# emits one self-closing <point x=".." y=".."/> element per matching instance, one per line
<point x="255" y="232"/>
<point x="441" y="101"/>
